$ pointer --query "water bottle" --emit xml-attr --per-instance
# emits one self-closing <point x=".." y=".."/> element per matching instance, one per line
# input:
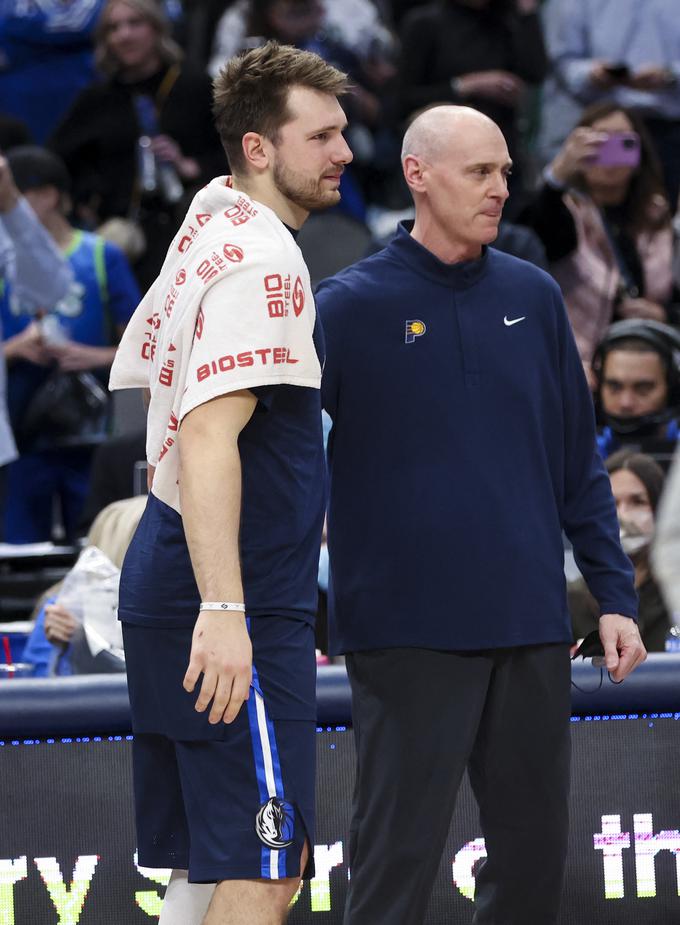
<point x="169" y="183"/>
<point x="146" y="165"/>
<point x="155" y="175"/>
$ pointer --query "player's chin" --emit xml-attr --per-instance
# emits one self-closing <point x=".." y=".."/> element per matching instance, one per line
<point x="325" y="199"/>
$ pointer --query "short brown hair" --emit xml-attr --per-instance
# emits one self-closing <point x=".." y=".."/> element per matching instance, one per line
<point x="251" y="92"/>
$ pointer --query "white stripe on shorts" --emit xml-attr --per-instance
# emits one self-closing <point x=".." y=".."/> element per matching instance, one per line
<point x="268" y="773"/>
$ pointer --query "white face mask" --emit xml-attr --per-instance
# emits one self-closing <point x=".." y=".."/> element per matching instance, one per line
<point x="635" y="530"/>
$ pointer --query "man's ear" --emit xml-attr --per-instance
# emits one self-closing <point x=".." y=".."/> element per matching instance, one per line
<point x="414" y="172"/>
<point x="255" y="150"/>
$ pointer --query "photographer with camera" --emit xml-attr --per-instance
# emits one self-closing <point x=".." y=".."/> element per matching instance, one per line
<point x="605" y="222"/>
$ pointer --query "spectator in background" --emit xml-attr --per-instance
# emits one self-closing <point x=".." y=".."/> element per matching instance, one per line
<point x="349" y="35"/>
<point x="48" y="646"/>
<point x="135" y="141"/>
<point x="628" y="53"/>
<point x="636" y="369"/>
<point x="45" y="59"/>
<point x="606" y="226"/>
<point x="480" y="53"/>
<point x="558" y="111"/>
<point x="353" y="24"/>
<point x="33" y="269"/>
<point x="637" y="483"/>
<point x="58" y="410"/>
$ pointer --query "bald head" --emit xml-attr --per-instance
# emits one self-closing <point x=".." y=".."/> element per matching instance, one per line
<point x="456" y="165"/>
<point x="431" y="134"/>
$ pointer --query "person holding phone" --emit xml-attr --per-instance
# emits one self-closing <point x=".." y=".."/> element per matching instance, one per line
<point x="624" y="52"/>
<point x="605" y="222"/>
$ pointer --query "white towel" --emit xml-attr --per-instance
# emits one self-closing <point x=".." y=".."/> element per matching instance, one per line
<point x="232" y="308"/>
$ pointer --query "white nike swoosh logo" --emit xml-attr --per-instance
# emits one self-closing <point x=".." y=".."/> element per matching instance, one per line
<point x="509" y="323"/>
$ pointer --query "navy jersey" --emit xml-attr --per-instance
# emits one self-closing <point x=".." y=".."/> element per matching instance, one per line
<point x="283" y="502"/>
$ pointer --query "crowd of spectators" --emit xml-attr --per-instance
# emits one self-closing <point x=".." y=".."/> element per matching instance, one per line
<point x="105" y="118"/>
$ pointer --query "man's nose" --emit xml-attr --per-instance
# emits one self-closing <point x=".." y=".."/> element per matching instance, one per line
<point x="343" y="155"/>
<point x="627" y="403"/>
<point x="502" y="188"/>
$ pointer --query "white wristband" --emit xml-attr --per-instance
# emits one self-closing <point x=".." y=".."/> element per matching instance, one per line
<point x="222" y="605"/>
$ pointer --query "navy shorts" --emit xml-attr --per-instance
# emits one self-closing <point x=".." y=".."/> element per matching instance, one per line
<point x="225" y="801"/>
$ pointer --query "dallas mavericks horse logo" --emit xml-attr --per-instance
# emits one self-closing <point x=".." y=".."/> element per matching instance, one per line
<point x="275" y="823"/>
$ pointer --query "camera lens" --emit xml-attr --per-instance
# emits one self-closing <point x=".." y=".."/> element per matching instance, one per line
<point x="628" y="143"/>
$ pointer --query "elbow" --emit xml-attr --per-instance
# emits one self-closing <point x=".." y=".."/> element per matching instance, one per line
<point x="198" y="438"/>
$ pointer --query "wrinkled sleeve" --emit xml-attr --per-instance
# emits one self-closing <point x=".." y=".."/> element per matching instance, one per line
<point x="589" y="515"/>
<point x="570" y="50"/>
<point x="41" y="275"/>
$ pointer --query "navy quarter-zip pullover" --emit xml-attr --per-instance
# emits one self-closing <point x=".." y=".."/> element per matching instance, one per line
<point x="463" y="443"/>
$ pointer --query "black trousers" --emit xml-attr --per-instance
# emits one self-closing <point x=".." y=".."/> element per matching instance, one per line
<point x="420" y="718"/>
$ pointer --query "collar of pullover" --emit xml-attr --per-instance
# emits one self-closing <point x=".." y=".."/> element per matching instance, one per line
<point x="406" y="249"/>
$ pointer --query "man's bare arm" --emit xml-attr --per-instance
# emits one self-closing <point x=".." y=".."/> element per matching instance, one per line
<point x="210" y="498"/>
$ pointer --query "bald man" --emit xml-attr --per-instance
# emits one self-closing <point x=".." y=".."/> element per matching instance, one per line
<point x="463" y="443"/>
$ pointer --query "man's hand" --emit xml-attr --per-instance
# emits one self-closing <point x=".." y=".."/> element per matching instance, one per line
<point x="641" y="308"/>
<point x="27" y="345"/>
<point x="166" y="149"/>
<point x="74" y="357"/>
<point x="623" y="648"/>
<point x="577" y="153"/>
<point x="502" y="86"/>
<point x="525" y="7"/>
<point x="651" y="77"/>
<point x="221" y="649"/>
<point x="601" y="77"/>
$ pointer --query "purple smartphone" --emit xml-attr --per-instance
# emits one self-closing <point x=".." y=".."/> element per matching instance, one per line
<point x="621" y="149"/>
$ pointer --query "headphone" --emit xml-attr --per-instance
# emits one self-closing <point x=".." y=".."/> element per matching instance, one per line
<point x="664" y="339"/>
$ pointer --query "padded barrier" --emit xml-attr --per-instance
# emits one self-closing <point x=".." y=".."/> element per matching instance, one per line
<point x="99" y="703"/>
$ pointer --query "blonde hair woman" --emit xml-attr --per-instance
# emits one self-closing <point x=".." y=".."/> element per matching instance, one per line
<point x="54" y="624"/>
<point x="141" y="138"/>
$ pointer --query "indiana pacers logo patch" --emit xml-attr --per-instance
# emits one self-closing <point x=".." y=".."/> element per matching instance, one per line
<point x="414" y="329"/>
<point x="275" y="823"/>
